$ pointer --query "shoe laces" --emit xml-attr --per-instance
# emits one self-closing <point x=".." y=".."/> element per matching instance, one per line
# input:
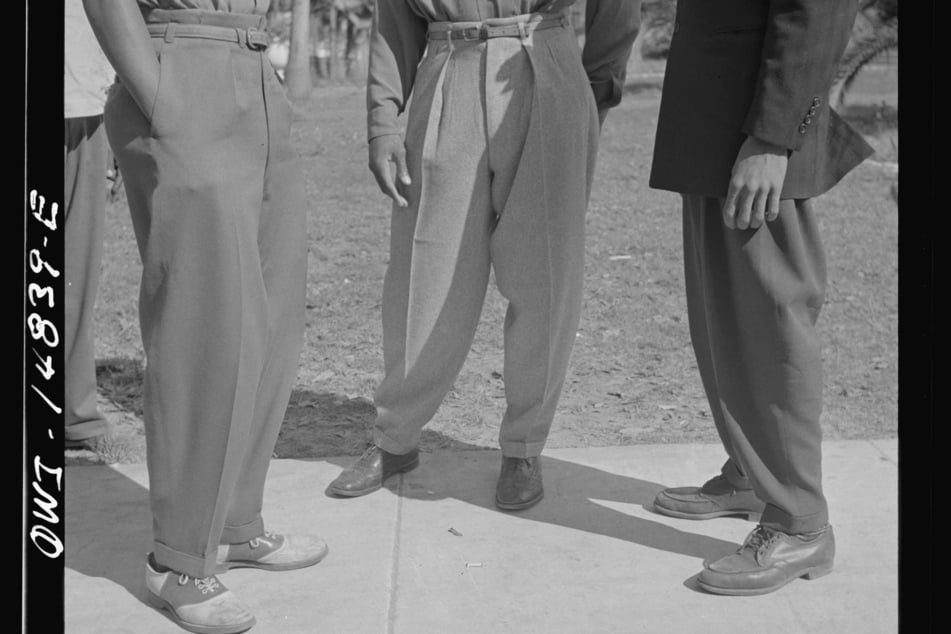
<point x="268" y="538"/>
<point x="206" y="584"/>
<point x="369" y="451"/>
<point x="760" y="539"/>
<point x="521" y="465"/>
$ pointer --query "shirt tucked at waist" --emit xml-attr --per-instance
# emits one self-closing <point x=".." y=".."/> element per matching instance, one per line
<point x="256" y="7"/>
<point x="399" y="40"/>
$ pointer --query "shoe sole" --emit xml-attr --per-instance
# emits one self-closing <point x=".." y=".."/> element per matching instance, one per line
<point x="753" y="516"/>
<point x="377" y="487"/>
<point x="296" y="565"/>
<point x="165" y="607"/>
<point x="810" y="574"/>
<point x="519" y="506"/>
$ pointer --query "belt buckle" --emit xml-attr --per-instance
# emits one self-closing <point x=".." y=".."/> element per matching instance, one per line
<point x="473" y="33"/>
<point x="256" y="39"/>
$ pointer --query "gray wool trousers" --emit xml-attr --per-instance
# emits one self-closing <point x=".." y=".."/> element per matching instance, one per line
<point x="501" y="142"/>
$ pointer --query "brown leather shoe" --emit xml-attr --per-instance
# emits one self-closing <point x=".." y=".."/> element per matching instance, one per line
<point x="716" y="498"/>
<point x="520" y="483"/>
<point x="768" y="560"/>
<point x="368" y="473"/>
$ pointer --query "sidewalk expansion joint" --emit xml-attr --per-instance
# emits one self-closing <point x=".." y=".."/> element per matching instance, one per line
<point x="392" y="590"/>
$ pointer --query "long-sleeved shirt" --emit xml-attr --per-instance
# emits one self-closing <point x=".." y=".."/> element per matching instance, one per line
<point x="399" y="41"/>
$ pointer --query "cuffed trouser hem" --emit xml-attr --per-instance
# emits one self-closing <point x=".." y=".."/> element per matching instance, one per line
<point x="753" y="299"/>
<point x="185" y="563"/>
<point x="86" y="429"/>
<point x="243" y="533"/>
<point x="776" y="518"/>
<point x="522" y="450"/>
<point x="390" y="445"/>
<point x="734" y="476"/>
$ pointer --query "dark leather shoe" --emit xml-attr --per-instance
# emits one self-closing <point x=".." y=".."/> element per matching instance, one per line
<point x="520" y="483"/>
<point x="716" y="498"/>
<point x="373" y="467"/>
<point x="768" y="560"/>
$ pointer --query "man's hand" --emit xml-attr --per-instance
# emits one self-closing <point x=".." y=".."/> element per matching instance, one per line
<point x="384" y="150"/>
<point x="758" y="175"/>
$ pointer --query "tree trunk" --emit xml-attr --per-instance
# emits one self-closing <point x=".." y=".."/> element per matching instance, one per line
<point x="297" y="73"/>
<point x="333" y="41"/>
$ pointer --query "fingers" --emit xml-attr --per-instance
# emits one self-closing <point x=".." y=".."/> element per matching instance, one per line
<point x="402" y="172"/>
<point x="744" y="204"/>
<point x="772" y="207"/>
<point x="738" y="204"/>
<point x="386" y="149"/>
<point x="389" y="188"/>
<point x="749" y="207"/>
<point x="755" y="185"/>
<point x="384" y="179"/>
<point x="758" y="211"/>
<point x="729" y="207"/>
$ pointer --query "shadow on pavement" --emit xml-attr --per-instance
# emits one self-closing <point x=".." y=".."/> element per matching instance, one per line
<point x="577" y="496"/>
<point x="108" y="527"/>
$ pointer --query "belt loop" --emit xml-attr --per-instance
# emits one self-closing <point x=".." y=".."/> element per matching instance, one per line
<point x="169" y="32"/>
<point x="522" y="33"/>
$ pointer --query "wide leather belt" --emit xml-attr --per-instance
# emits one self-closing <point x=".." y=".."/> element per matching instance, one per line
<point x="521" y="26"/>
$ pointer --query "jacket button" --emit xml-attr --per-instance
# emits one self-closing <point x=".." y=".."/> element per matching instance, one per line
<point x="802" y="128"/>
<point x="815" y="101"/>
<point x="807" y="120"/>
<point x="812" y="111"/>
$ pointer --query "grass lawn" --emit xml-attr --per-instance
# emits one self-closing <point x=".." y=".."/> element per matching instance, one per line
<point x="633" y="378"/>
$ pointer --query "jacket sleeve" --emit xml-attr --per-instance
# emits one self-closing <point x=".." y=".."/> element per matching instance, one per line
<point x="610" y="29"/>
<point x="803" y="43"/>
<point x="397" y="43"/>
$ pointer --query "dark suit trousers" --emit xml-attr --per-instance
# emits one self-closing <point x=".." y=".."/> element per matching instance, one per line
<point x="216" y="197"/>
<point x="84" y="202"/>
<point x="753" y="298"/>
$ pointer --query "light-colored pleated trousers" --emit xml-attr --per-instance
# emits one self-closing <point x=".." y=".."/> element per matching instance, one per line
<point x="216" y="197"/>
<point x="84" y="204"/>
<point x="501" y="142"/>
<point x="753" y="298"/>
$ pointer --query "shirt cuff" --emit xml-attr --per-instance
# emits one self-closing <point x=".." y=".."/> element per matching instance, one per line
<point x="381" y="120"/>
<point x="607" y="92"/>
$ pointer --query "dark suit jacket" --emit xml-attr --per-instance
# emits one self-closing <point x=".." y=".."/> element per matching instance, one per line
<point x="760" y="68"/>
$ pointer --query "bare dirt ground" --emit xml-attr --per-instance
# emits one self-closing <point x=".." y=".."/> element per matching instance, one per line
<point x="633" y="378"/>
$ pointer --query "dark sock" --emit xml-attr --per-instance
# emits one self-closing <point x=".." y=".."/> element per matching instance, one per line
<point x="157" y="567"/>
<point x="810" y="535"/>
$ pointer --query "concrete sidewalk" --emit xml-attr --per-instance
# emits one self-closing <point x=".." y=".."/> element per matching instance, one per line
<point x="432" y="554"/>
